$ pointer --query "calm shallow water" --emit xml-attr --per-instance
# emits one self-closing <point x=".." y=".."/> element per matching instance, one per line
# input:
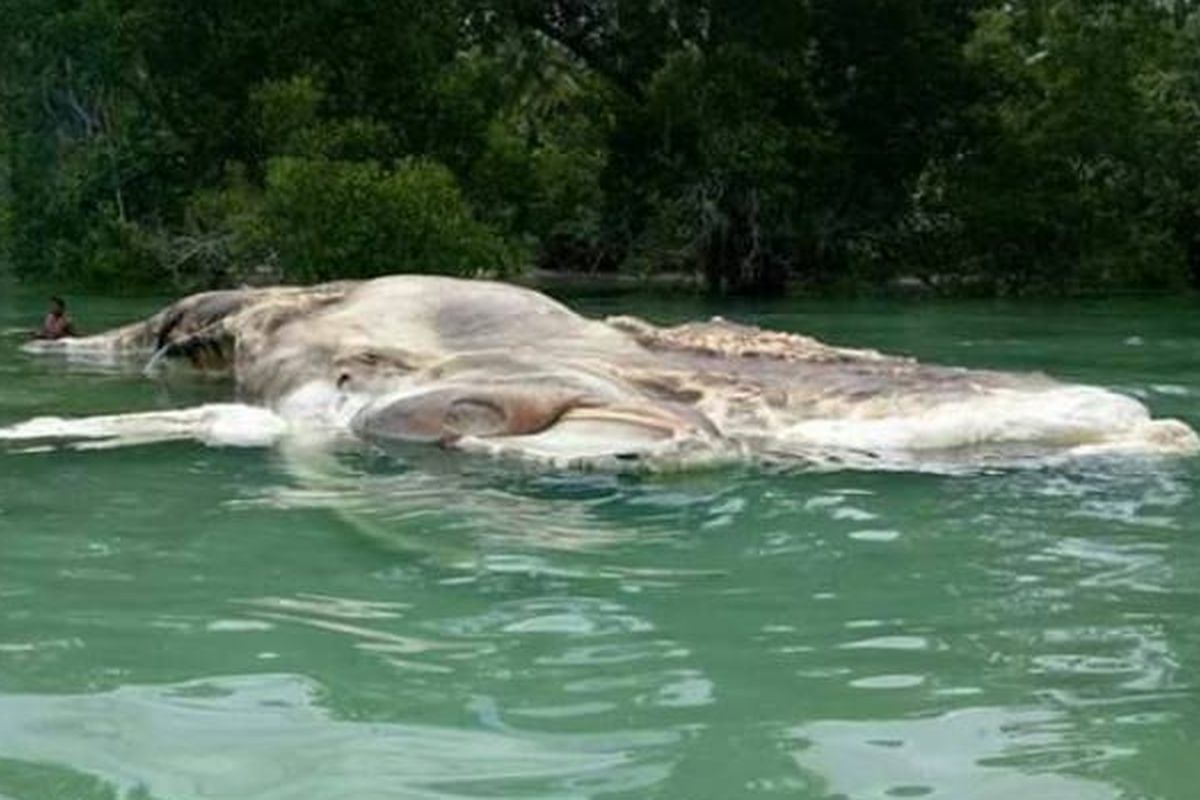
<point x="181" y="622"/>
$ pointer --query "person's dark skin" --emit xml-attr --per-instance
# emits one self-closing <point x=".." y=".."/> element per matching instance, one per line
<point x="57" y="323"/>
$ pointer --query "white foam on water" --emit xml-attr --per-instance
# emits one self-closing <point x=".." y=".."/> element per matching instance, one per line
<point x="214" y="424"/>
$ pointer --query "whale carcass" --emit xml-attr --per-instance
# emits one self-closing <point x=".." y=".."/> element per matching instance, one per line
<point x="489" y="367"/>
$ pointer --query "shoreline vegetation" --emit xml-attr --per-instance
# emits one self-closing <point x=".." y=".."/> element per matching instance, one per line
<point x="752" y="148"/>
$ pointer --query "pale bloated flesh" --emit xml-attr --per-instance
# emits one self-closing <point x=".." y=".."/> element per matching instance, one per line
<point x="491" y="367"/>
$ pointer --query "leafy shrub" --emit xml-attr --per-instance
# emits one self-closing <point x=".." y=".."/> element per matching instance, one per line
<point x="327" y="219"/>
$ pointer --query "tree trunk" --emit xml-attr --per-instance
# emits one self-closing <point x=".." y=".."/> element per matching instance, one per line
<point x="735" y="257"/>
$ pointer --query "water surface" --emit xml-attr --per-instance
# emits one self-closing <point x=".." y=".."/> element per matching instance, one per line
<point x="183" y="622"/>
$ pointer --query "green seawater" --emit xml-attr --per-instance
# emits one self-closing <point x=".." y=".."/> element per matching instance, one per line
<point x="183" y="622"/>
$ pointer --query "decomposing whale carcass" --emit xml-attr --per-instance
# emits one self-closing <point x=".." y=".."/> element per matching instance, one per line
<point x="489" y="367"/>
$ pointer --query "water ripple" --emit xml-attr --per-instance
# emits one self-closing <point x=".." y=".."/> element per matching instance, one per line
<point x="265" y="737"/>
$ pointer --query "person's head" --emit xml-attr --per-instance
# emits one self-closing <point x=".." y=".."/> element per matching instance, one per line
<point x="58" y="306"/>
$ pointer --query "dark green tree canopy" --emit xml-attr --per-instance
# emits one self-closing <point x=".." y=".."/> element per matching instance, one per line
<point x="984" y="146"/>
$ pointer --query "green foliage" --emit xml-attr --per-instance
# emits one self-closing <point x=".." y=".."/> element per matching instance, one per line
<point x="735" y="138"/>
<point x="1073" y="181"/>
<point x="538" y="167"/>
<point x="290" y="122"/>
<point x="329" y="219"/>
<point x="986" y="146"/>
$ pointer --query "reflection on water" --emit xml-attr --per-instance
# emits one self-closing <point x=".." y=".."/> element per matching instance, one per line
<point x="980" y="753"/>
<point x="469" y="502"/>
<point x="582" y="635"/>
<point x="178" y="622"/>
<point x="266" y="736"/>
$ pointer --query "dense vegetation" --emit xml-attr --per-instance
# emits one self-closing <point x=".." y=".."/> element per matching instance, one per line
<point x="1021" y="146"/>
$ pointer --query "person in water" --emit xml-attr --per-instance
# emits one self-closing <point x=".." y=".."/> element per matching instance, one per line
<point x="57" y="323"/>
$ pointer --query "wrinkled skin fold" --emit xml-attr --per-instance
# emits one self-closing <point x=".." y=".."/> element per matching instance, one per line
<point x="489" y="367"/>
